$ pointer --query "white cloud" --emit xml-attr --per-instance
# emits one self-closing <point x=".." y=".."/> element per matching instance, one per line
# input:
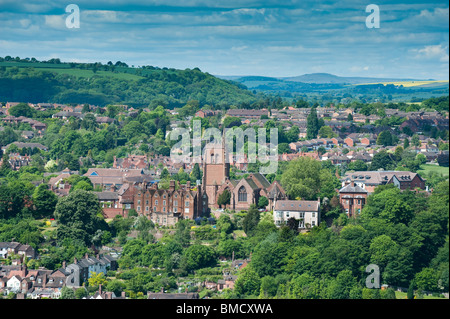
<point x="437" y="52"/>
<point x="55" y="21"/>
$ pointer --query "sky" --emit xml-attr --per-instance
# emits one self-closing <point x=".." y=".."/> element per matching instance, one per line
<point x="237" y="37"/>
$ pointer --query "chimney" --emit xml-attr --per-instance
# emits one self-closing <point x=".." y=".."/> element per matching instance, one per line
<point x="352" y="183"/>
<point x="75" y="260"/>
<point x="100" y="289"/>
<point x="86" y="256"/>
<point x="64" y="264"/>
<point x="188" y="185"/>
<point x="172" y="185"/>
<point x="162" y="290"/>
<point x="123" y="294"/>
<point x="24" y="271"/>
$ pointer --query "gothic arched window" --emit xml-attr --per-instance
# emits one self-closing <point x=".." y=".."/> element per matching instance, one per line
<point x="242" y="194"/>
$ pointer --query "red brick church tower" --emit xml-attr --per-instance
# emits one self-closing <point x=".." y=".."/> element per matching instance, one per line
<point x="215" y="170"/>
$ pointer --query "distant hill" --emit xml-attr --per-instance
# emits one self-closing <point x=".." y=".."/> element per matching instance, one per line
<point x="316" y="78"/>
<point x="99" y="84"/>
<point x="331" y="78"/>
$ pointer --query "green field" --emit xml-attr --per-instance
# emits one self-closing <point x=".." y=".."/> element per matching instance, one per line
<point x="402" y="295"/>
<point x="427" y="168"/>
<point x="121" y="73"/>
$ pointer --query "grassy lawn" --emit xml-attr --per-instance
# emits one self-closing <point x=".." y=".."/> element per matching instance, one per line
<point x="426" y="168"/>
<point x="239" y="233"/>
<point x="402" y="295"/>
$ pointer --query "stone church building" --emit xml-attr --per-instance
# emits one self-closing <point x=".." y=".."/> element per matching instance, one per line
<point x="244" y="192"/>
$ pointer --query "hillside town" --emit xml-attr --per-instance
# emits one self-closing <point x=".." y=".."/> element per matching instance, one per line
<point x="145" y="181"/>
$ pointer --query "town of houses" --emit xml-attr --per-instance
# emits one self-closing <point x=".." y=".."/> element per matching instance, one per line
<point x="132" y="182"/>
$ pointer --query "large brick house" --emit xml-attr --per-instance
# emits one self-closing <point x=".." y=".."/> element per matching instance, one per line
<point x="352" y="198"/>
<point x="369" y="180"/>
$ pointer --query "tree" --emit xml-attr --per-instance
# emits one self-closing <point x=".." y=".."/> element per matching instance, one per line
<point x="22" y="109"/>
<point x="199" y="256"/>
<point x="427" y="279"/>
<point x="77" y="218"/>
<point x="415" y="140"/>
<point x="312" y="124"/>
<point x="165" y="173"/>
<point x="97" y="279"/>
<point x="263" y="202"/>
<point x="406" y="143"/>
<point x="385" y="138"/>
<point x="224" y="198"/>
<point x="251" y="220"/>
<point x="306" y="178"/>
<point x="326" y="132"/>
<point x="357" y="166"/>
<point x="231" y="121"/>
<point x="410" y="292"/>
<point x="382" y="160"/>
<point x="67" y="293"/>
<point x="44" y="201"/>
<point x="342" y="286"/>
<point x="248" y="282"/>
<point x="195" y="173"/>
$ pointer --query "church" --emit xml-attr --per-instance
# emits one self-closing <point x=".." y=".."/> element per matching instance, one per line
<point x="244" y="192"/>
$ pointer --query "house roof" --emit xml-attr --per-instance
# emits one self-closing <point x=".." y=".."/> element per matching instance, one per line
<point x="297" y="205"/>
<point x="352" y="189"/>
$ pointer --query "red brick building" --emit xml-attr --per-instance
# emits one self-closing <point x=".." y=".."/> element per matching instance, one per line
<point x="353" y="198"/>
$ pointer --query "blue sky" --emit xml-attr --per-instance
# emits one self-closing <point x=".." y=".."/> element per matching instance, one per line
<point x="237" y="37"/>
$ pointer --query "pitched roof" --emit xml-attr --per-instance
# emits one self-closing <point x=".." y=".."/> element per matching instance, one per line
<point x="352" y="189"/>
<point x="297" y="205"/>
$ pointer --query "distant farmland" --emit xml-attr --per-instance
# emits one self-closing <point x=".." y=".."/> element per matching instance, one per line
<point x="407" y="84"/>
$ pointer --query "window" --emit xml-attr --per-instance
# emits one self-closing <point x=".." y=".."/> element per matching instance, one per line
<point x="139" y="202"/>
<point x="186" y="204"/>
<point x="175" y="203"/>
<point x="156" y="202"/>
<point x="146" y="208"/>
<point x="146" y="202"/>
<point x="164" y="203"/>
<point x="242" y="194"/>
<point x="313" y="215"/>
<point x="139" y="208"/>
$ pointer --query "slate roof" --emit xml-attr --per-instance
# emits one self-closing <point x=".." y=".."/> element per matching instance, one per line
<point x="352" y="189"/>
<point x="297" y="205"/>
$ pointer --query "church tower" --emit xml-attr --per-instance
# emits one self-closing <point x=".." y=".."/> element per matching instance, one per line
<point x="216" y="169"/>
